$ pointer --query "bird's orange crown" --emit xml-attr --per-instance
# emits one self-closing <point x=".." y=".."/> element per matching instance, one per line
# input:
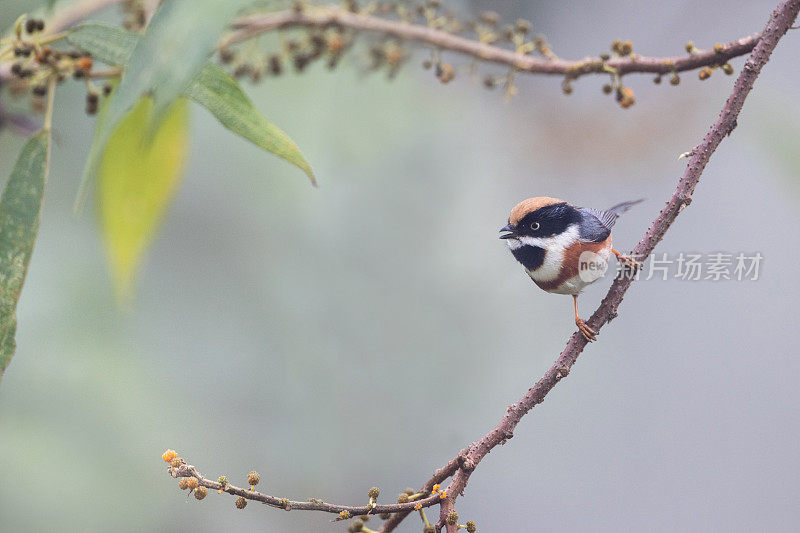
<point x="530" y="205"/>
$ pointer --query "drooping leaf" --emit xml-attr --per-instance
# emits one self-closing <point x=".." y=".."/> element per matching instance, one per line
<point x="163" y="62"/>
<point x="138" y="176"/>
<point x="20" y="208"/>
<point x="213" y="88"/>
<point x="218" y="92"/>
<point x="173" y="49"/>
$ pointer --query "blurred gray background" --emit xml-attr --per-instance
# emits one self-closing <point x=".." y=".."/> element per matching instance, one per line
<point x="362" y="333"/>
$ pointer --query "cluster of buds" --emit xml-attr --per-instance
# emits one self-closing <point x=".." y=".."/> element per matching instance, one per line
<point x="360" y="524"/>
<point x="329" y="45"/>
<point x="388" y="54"/>
<point x="705" y="72"/>
<point x="36" y="64"/>
<point x="674" y="79"/>
<point x="488" y="30"/>
<point x="34" y="25"/>
<point x="429" y="12"/>
<point x="408" y="495"/>
<point x="373" y="494"/>
<point x="623" y="95"/>
<point x="485" y="27"/>
<point x="192" y="484"/>
<point x="437" y="489"/>
<point x="445" y="72"/>
<point x="622" y="48"/>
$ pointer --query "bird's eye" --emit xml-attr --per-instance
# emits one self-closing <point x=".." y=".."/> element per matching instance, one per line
<point x="534" y="226"/>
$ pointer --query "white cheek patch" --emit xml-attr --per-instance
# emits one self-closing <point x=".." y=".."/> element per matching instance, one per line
<point x="566" y="239"/>
<point x="555" y="247"/>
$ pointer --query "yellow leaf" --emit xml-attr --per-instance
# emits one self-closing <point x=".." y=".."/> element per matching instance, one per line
<point x="138" y="176"/>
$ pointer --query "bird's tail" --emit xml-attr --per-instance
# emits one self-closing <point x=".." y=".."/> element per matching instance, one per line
<point x="624" y="206"/>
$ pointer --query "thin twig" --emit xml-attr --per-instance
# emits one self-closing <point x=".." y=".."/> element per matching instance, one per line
<point x="321" y="17"/>
<point x="310" y="505"/>
<point x="111" y="72"/>
<point x="74" y="13"/>
<point x="50" y="106"/>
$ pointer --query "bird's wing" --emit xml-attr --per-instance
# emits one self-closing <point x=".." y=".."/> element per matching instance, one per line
<point x="609" y="217"/>
<point x="592" y="228"/>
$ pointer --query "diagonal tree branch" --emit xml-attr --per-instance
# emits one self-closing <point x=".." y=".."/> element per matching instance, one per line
<point x="779" y="23"/>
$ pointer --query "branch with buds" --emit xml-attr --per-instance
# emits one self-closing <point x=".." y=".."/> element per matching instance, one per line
<point x="396" y="25"/>
<point x="408" y="501"/>
<point x="485" y="41"/>
<point x="461" y="467"/>
<point x="625" y="63"/>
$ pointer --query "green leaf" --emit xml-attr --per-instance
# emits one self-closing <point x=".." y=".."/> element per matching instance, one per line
<point x="213" y="88"/>
<point x="20" y="208"/>
<point x="110" y="44"/>
<point x="173" y="49"/>
<point x="218" y="92"/>
<point x="137" y="178"/>
<point x="163" y="62"/>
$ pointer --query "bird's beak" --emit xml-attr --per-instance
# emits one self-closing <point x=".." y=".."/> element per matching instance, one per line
<point x="511" y="231"/>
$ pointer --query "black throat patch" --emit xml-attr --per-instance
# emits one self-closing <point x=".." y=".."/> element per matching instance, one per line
<point x="531" y="257"/>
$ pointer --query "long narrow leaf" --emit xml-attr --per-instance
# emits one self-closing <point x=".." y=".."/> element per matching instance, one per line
<point x="137" y="179"/>
<point x="163" y="62"/>
<point x="218" y="92"/>
<point x="213" y="88"/>
<point x="20" y="208"/>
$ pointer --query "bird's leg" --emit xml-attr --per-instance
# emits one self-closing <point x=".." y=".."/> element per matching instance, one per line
<point x="628" y="261"/>
<point x="588" y="333"/>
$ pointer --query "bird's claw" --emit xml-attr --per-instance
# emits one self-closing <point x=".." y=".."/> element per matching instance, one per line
<point x="588" y="333"/>
<point x="629" y="262"/>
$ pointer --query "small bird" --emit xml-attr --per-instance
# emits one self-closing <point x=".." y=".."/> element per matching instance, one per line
<point x="564" y="248"/>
